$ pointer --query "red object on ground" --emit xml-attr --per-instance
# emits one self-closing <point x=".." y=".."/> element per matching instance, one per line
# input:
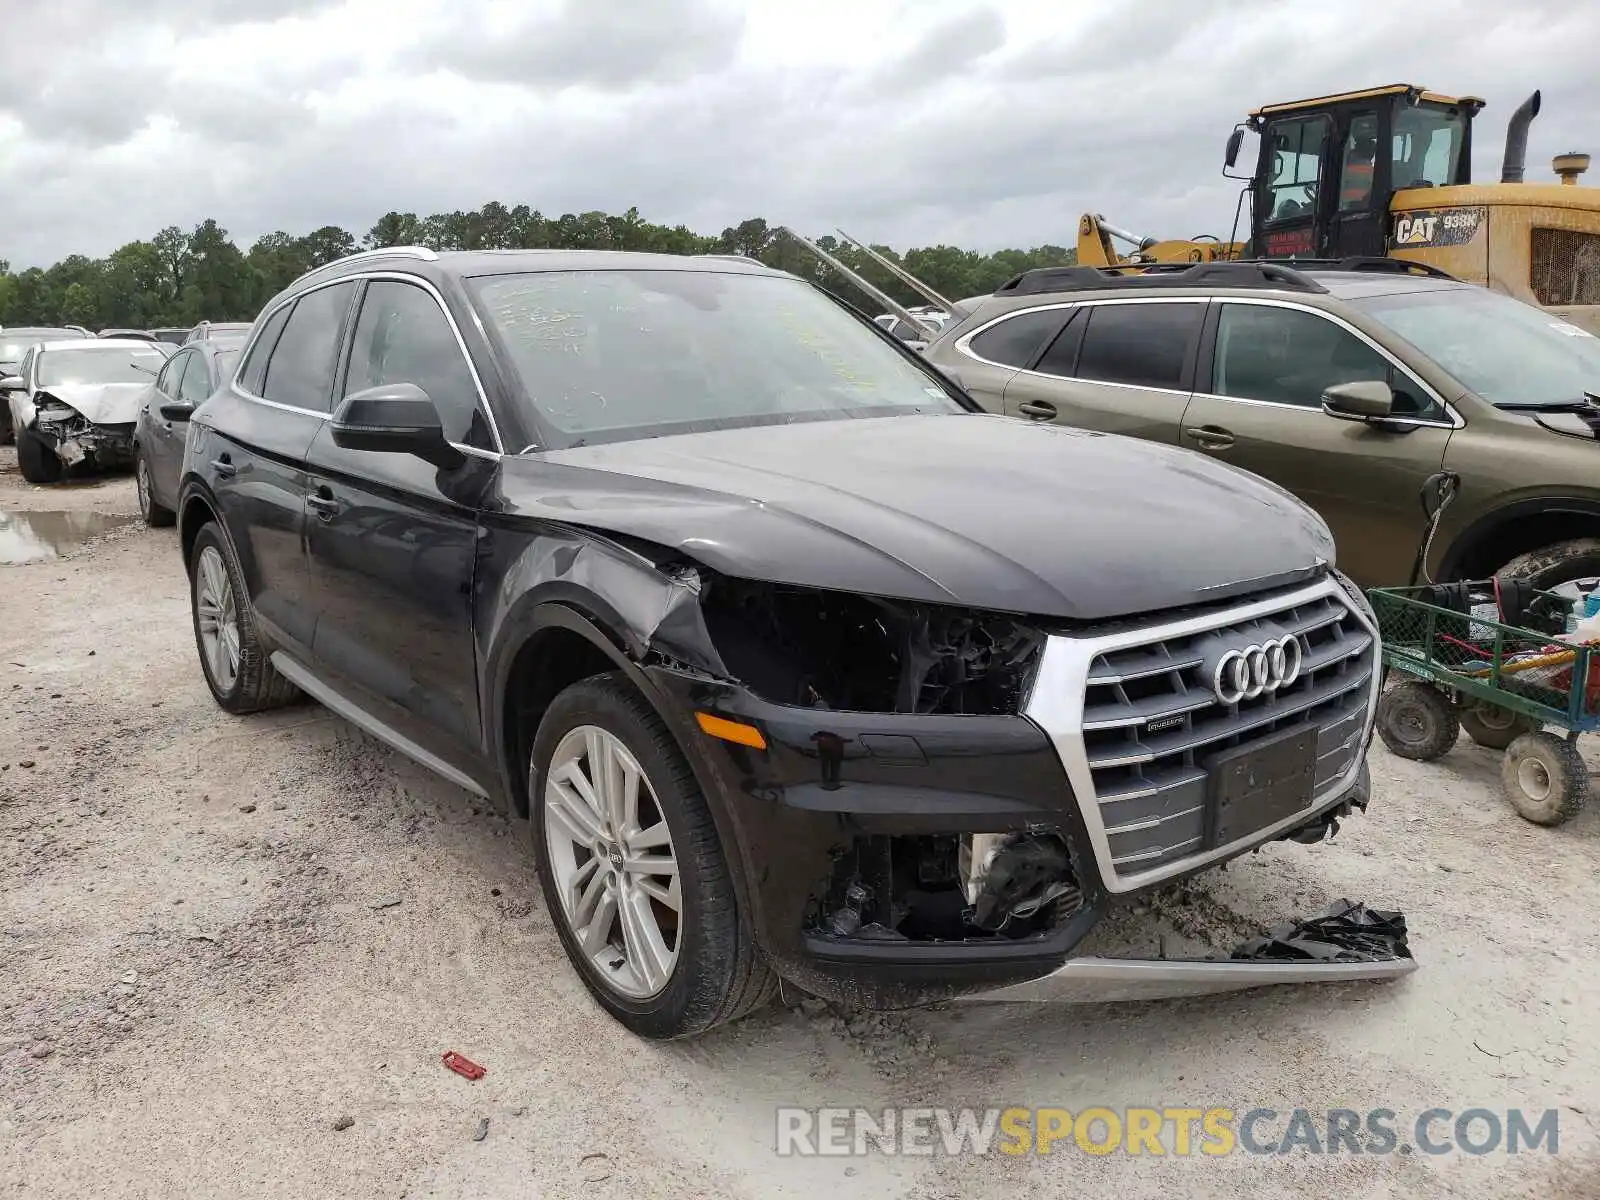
<point x="462" y="1065"/>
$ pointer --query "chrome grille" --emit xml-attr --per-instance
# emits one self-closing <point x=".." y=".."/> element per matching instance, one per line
<point x="1148" y="722"/>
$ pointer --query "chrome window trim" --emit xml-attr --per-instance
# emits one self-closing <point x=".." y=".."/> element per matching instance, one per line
<point x="398" y="277"/>
<point x="1456" y="421"/>
<point x="1056" y="701"/>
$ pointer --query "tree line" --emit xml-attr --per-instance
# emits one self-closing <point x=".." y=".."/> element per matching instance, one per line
<point x="177" y="278"/>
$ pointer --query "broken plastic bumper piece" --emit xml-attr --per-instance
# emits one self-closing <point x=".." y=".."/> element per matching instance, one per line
<point x="1349" y="942"/>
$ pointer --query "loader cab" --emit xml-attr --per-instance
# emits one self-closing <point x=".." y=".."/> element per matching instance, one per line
<point x="1328" y="168"/>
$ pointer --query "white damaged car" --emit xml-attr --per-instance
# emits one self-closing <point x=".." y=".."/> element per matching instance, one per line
<point x="76" y="401"/>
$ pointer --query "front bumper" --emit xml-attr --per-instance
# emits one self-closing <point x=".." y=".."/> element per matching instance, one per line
<point x="77" y="441"/>
<point x="829" y="780"/>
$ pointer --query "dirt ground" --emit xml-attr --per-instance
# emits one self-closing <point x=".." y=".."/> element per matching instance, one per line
<point x="221" y="937"/>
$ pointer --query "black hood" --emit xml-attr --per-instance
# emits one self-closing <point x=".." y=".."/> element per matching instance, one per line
<point x="985" y="512"/>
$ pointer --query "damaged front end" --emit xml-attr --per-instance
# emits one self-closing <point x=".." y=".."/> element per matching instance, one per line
<point x="914" y="829"/>
<point x="74" y="439"/>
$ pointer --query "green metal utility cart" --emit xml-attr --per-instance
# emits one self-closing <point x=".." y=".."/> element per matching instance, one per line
<point x="1502" y="683"/>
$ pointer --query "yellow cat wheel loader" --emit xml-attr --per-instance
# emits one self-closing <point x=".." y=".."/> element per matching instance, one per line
<point x="1387" y="172"/>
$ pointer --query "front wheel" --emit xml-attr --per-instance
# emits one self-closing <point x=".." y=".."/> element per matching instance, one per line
<point x="1417" y="721"/>
<point x="154" y="513"/>
<point x="37" y="462"/>
<point x="632" y="870"/>
<point x="1545" y="778"/>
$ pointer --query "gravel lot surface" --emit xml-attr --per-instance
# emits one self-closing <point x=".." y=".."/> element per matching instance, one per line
<point x="204" y="977"/>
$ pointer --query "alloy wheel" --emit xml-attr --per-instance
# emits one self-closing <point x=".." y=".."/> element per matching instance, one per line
<point x="141" y="479"/>
<point x="218" y="618"/>
<point x="612" y="858"/>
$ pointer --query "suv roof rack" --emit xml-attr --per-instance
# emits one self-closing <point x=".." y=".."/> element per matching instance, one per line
<point x="1375" y="263"/>
<point x="421" y="252"/>
<point x="1250" y="273"/>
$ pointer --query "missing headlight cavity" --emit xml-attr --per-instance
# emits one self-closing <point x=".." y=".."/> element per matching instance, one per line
<point x="947" y="888"/>
<point x="858" y="653"/>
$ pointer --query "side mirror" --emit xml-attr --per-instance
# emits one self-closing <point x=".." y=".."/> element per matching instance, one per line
<point x="11" y="383"/>
<point x="1360" y="400"/>
<point x="395" y="418"/>
<point x="1231" y="155"/>
<point x="177" y="410"/>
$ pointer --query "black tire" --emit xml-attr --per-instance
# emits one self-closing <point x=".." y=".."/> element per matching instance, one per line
<point x="720" y="974"/>
<point x="155" y="515"/>
<point x="1551" y="566"/>
<point x="1416" y="720"/>
<point x="37" y="462"/>
<point x="1494" y="727"/>
<point x="1545" y="778"/>
<point x="256" y="685"/>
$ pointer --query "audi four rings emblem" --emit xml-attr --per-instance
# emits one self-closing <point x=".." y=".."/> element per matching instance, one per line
<point x="1250" y="672"/>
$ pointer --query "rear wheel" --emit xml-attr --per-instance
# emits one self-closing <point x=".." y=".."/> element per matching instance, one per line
<point x="232" y="654"/>
<point x="633" y="872"/>
<point x="1416" y="720"/>
<point x="1545" y="778"/>
<point x="1495" y="727"/>
<point x="154" y="514"/>
<point x="37" y="462"/>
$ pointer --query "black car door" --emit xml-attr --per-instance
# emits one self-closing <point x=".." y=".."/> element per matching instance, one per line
<point x="164" y="436"/>
<point x="252" y="447"/>
<point x="393" y="539"/>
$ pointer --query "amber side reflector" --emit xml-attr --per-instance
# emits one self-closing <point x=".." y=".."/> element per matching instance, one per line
<point x="731" y="731"/>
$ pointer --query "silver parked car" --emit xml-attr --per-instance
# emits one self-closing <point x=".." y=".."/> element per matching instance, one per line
<point x="75" y="401"/>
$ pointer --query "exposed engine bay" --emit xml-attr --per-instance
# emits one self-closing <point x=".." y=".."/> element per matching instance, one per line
<point x="76" y="439"/>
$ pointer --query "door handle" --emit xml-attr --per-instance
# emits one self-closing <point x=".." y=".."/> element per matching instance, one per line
<point x="224" y="468"/>
<point x="1210" y="437"/>
<point x="323" y="503"/>
<point x="1038" y="410"/>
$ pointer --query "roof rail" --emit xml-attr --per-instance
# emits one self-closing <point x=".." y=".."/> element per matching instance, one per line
<point x="1246" y="274"/>
<point x="421" y="252"/>
<point x="1391" y="266"/>
<point x="732" y="257"/>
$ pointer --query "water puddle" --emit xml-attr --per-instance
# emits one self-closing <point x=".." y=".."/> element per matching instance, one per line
<point x="27" y="537"/>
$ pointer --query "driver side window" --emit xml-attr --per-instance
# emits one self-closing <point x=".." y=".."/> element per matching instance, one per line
<point x="1289" y="356"/>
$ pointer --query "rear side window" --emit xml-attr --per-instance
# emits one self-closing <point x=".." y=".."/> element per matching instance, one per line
<point x="256" y="368"/>
<point x="1141" y="344"/>
<point x="300" y="371"/>
<point x="1017" y="340"/>
<point x="402" y="336"/>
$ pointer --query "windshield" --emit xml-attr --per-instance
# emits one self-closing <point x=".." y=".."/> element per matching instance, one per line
<point x="109" y="364"/>
<point x="1508" y="352"/>
<point x="612" y="355"/>
<point x="14" y="343"/>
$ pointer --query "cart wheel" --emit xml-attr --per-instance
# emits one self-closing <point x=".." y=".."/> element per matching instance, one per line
<point x="1416" y="720"/>
<point x="1495" y="727"/>
<point x="1545" y="778"/>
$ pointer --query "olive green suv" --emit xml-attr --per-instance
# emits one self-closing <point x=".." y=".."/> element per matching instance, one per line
<point x="1357" y="386"/>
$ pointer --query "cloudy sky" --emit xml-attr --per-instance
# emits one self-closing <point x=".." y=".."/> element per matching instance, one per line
<point x="985" y="124"/>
